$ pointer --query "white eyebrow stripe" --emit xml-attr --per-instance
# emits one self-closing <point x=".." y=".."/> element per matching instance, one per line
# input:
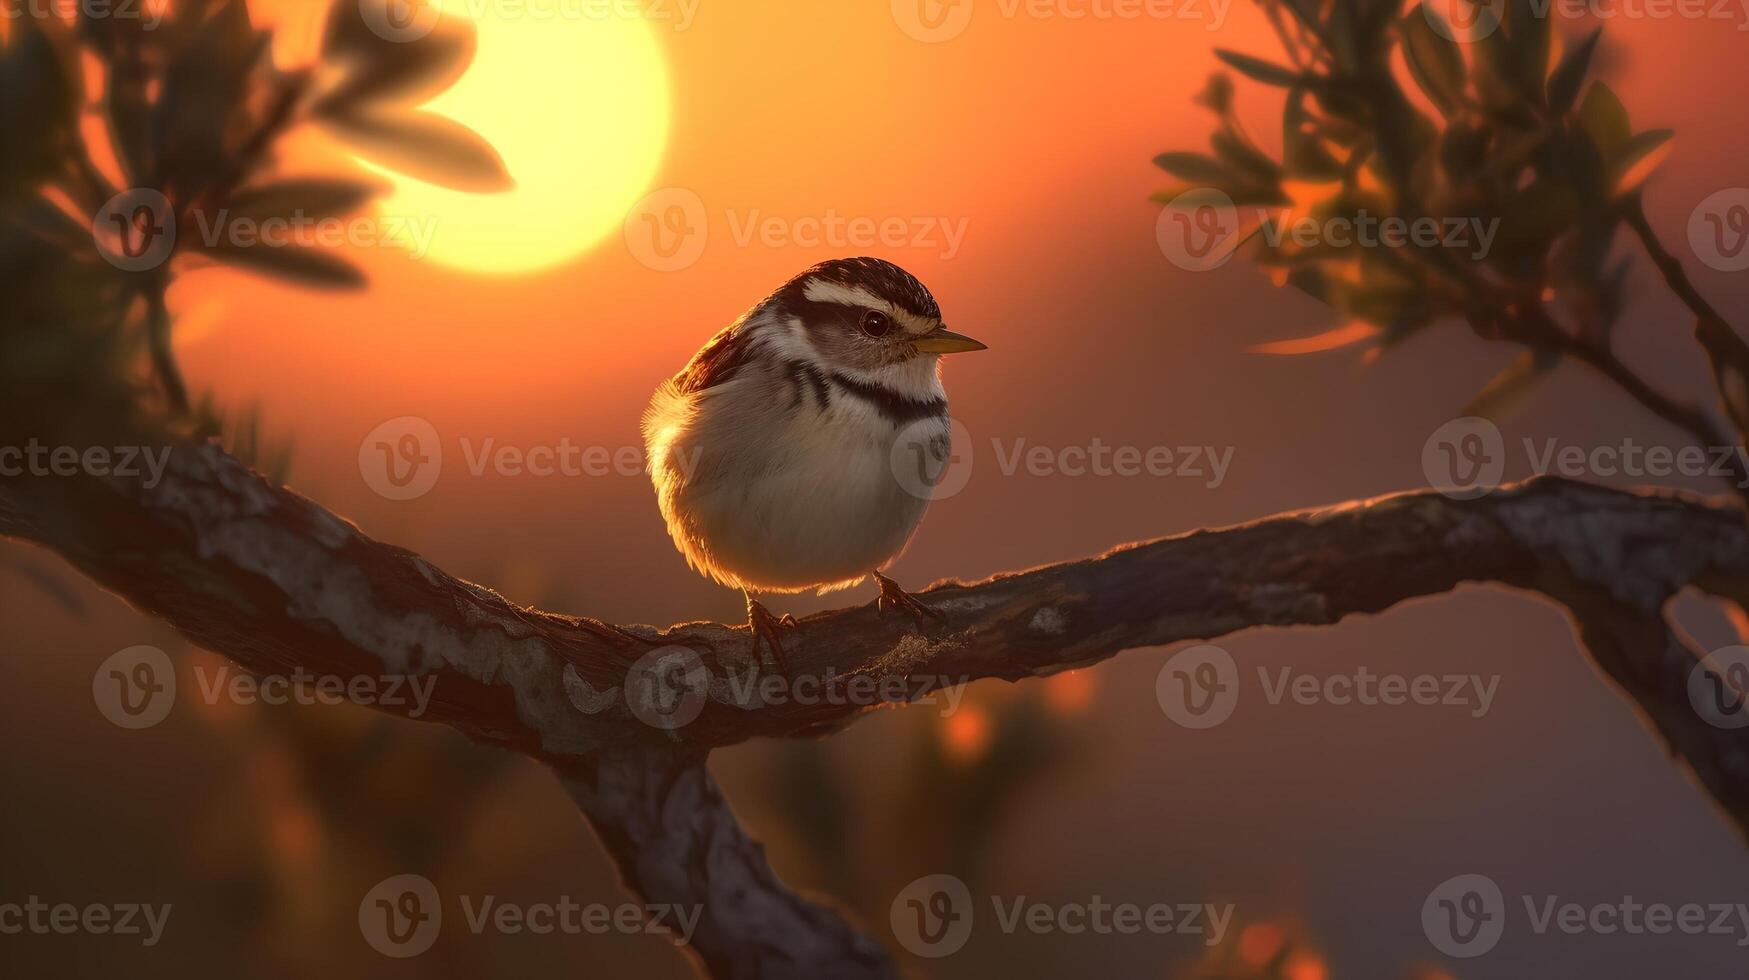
<point x="825" y="291"/>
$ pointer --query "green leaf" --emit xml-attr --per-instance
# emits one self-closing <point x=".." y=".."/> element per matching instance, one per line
<point x="1530" y="40"/>
<point x="1605" y="120"/>
<point x="1435" y="61"/>
<point x="1570" y="73"/>
<point x="410" y="72"/>
<point x="293" y="263"/>
<point x="314" y="197"/>
<point x="36" y="109"/>
<point x="1496" y="72"/>
<point x="1218" y="93"/>
<point x="1307" y="12"/>
<point x="425" y="145"/>
<point x="1304" y="155"/>
<point x="1267" y="72"/>
<point x="1508" y="390"/>
<point x="1639" y="158"/>
<point x="1463" y="147"/>
<point x="1197" y="168"/>
<point x="1235" y="151"/>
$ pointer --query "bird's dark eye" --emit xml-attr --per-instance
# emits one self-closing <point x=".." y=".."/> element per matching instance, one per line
<point x="876" y="324"/>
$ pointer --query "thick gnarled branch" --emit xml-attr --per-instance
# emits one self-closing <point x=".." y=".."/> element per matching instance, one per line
<point x="275" y="582"/>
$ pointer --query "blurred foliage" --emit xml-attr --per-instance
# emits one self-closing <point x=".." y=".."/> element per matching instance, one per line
<point x="185" y="116"/>
<point x="102" y="112"/>
<point x="1393" y="112"/>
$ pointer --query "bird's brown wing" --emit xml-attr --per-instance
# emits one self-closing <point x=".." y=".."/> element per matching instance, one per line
<point x="717" y="361"/>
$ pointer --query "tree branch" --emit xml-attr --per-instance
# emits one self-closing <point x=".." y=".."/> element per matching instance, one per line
<point x="275" y="582"/>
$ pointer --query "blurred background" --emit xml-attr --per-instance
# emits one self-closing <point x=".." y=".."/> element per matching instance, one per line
<point x="549" y="314"/>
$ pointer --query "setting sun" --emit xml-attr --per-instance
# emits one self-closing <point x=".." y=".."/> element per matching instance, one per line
<point x="577" y="105"/>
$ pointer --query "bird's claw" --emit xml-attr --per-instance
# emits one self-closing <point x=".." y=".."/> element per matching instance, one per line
<point x="765" y="629"/>
<point x="894" y="598"/>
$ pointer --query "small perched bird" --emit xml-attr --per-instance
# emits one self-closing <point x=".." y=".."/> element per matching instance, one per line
<point x="772" y="452"/>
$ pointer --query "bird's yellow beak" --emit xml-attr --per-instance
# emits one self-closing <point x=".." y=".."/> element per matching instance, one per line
<point x="946" y="342"/>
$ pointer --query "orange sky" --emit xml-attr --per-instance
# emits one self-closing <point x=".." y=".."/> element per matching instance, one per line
<point x="1038" y="135"/>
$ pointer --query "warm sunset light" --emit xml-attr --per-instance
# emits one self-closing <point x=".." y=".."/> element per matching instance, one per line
<point x="1183" y="489"/>
<point x="578" y="108"/>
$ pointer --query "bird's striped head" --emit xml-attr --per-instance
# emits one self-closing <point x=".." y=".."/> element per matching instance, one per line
<point x="866" y="314"/>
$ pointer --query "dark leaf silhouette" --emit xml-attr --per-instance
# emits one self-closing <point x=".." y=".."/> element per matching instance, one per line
<point x="311" y="197"/>
<point x="1509" y="389"/>
<point x="379" y="70"/>
<point x="1256" y="68"/>
<point x="1436" y="61"/>
<point x="1570" y="73"/>
<point x="427" y="146"/>
<point x="293" y="263"/>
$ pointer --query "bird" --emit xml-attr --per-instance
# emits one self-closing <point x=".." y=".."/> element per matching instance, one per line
<point x="778" y="453"/>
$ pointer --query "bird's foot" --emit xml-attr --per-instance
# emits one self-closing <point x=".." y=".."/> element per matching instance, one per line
<point x="893" y="597"/>
<point x="766" y="630"/>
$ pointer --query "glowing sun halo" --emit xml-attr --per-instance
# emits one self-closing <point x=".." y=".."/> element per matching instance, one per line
<point x="578" y="108"/>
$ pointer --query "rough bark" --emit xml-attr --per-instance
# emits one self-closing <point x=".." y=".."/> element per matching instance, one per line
<point x="627" y="714"/>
